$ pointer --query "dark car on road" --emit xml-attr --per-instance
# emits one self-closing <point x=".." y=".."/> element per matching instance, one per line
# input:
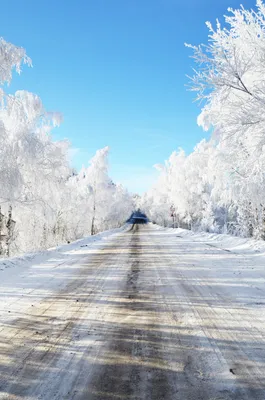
<point x="138" y="217"/>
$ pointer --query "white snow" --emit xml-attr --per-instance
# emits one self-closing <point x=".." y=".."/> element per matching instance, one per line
<point x="39" y="274"/>
<point x="235" y="244"/>
<point x="36" y="275"/>
<point x="202" y="293"/>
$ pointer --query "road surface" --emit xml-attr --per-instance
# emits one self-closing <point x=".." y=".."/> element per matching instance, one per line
<point x="149" y="315"/>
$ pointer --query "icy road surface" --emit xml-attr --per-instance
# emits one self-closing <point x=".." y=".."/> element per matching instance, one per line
<point x="143" y="314"/>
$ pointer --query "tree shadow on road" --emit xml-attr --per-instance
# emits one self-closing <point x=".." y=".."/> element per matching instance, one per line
<point x="137" y="323"/>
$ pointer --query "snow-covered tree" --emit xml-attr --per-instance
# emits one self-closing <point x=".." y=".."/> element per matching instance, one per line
<point x="221" y="185"/>
<point x="43" y="202"/>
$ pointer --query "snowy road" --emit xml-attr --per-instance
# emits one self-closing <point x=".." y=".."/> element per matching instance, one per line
<point x="148" y="314"/>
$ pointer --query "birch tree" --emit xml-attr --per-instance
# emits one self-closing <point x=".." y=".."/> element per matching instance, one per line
<point x="43" y="201"/>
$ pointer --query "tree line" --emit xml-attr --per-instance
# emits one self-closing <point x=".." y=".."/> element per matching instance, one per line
<point x="220" y="186"/>
<point x="43" y="200"/>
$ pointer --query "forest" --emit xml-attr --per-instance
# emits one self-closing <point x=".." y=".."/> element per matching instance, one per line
<point x="220" y="186"/>
<point x="44" y="201"/>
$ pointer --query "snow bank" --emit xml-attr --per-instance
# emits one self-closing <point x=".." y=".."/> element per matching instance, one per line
<point x="225" y="242"/>
<point x="25" y="281"/>
<point x="57" y="254"/>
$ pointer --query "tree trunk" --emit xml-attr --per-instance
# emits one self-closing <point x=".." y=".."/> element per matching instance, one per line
<point x="263" y="223"/>
<point x="93" y="218"/>
<point x="1" y="227"/>
<point x="9" y="231"/>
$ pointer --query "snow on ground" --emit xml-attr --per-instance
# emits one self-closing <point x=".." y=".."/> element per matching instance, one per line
<point x="226" y="258"/>
<point x="227" y="242"/>
<point x="37" y="275"/>
<point x="234" y="244"/>
<point x="59" y="253"/>
<point x="149" y="314"/>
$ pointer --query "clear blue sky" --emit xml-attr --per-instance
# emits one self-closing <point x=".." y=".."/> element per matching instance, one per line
<point x="116" y="70"/>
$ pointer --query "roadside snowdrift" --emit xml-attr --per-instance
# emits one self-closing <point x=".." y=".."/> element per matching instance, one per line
<point x="55" y="256"/>
<point x="225" y="242"/>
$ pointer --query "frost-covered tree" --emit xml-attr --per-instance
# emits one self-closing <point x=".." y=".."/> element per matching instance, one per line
<point x="11" y="57"/>
<point x="102" y="203"/>
<point x="231" y="81"/>
<point x="221" y="185"/>
<point x="43" y="201"/>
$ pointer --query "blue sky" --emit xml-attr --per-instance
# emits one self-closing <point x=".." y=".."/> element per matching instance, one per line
<point x="116" y="70"/>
